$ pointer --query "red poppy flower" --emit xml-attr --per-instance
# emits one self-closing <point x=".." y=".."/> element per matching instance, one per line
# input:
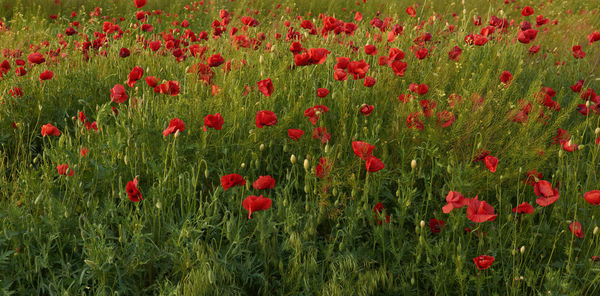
<point x="16" y="92"/>
<point x="20" y="71"/>
<point x="455" y="200"/>
<point x="170" y="87"/>
<point x="480" y="211"/>
<point x="578" y="53"/>
<point x="370" y="49"/>
<point x="84" y="151"/>
<point x="317" y="56"/>
<point x="374" y="164"/>
<point x="175" y="125"/>
<point x="254" y="203"/>
<point x="592" y="197"/>
<point x="561" y="136"/>
<point x="366" y="109"/>
<point x="314" y="113"/>
<point x="455" y="53"/>
<point x="547" y="195"/>
<point x="124" y="52"/>
<point x="4" y="67"/>
<point x="132" y="191"/>
<point x="524" y="208"/>
<point x="36" y="58"/>
<point x="533" y="176"/>
<point x="436" y="225"/>
<point x="445" y="118"/>
<point x="427" y="106"/>
<point x="506" y="77"/>
<point x="139" y="3"/>
<point x="362" y="149"/>
<point x="593" y="37"/>
<point x="340" y="75"/>
<point x="151" y="81"/>
<point x="265" y="87"/>
<point x="322" y="92"/>
<point x="575" y="228"/>
<point x="64" y="170"/>
<point x="491" y="163"/>
<point x="264" y="182"/>
<point x="577" y="86"/>
<point x="413" y="121"/>
<point x="265" y="118"/>
<point x="118" y="95"/>
<point x="214" y="121"/>
<point x="295" y="134"/>
<point x="321" y="133"/>
<point x="422" y="53"/>
<point x="46" y="75"/>
<point x="411" y="11"/>
<point x="379" y="211"/>
<point x="231" y="180"/>
<point x="135" y="75"/>
<point x="527" y="11"/>
<point x="369" y="81"/>
<point x="50" y="130"/>
<point x="399" y="67"/>
<point x="483" y="262"/>
<point x="323" y="168"/>
<point x="358" y="69"/>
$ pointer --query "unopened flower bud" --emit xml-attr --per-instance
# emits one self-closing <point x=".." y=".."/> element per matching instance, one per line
<point x="243" y="165"/>
<point x="413" y="164"/>
<point x="597" y="130"/>
<point x="522" y="250"/>
<point x="422" y="223"/>
<point x="262" y="147"/>
<point x="306" y="164"/>
<point x="595" y="230"/>
<point x="293" y="159"/>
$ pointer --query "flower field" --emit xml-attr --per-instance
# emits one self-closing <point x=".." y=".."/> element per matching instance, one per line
<point x="363" y="147"/>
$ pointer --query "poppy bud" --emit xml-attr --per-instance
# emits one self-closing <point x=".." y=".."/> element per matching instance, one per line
<point x="449" y="169"/>
<point x="293" y="159"/>
<point x="261" y="59"/>
<point x="413" y="164"/>
<point x="587" y="104"/>
<point x="595" y="230"/>
<point x="243" y="165"/>
<point x="262" y="147"/>
<point x="306" y="164"/>
<point x="158" y="204"/>
<point x="522" y="250"/>
<point x="306" y="189"/>
<point x="206" y="173"/>
<point x="560" y="153"/>
<point x="597" y="131"/>
<point x="422" y="224"/>
<point x="327" y="148"/>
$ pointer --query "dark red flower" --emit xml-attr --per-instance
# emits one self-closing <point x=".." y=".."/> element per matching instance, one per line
<point x="323" y="168"/>
<point x="370" y="49"/>
<point x="427" y="106"/>
<point x="413" y="121"/>
<point x="151" y="81"/>
<point x="139" y="3"/>
<point x="533" y="176"/>
<point x="374" y="164"/>
<point x="358" y="69"/>
<point x="215" y="60"/>
<point x="436" y="225"/>
<point x="362" y="149"/>
<point x="575" y="228"/>
<point x="592" y="197"/>
<point x="314" y="113"/>
<point x="264" y="182"/>
<point x="50" y="130"/>
<point x="547" y="195"/>
<point x="175" y="125"/>
<point x="265" y="118"/>
<point x="399" y="67"/>
<point x="491" y="163"/>
<point x="369" y="81"/>
<point x="480" y="211"/>
<point x="124" y="52"/>
<point x="135" y="75"/>
<point x="577" y="86"/>
<point x="340" y="75"/>
<point x="445" y="118"/>
<point x="16" y="92"/>
<point x="524" y="208"/>
<point x="46" y="75"/>
<point x="214" y="121"/>
<point x="254" y="203"/>
<point x="379" y="211"/>
<point x="295" y="134"/>
<point x="578" y="53"/>
<point x="265" y="87"/>
<point x="36" y="58"/>
<point x="321" y="133"/>
<point x="527" y="11"/>
<point x="506" y="77"/>
<point x="322" y="92"/>
<point x="366" y="109"/>
<point x="454" y="200"/>
<point x="455" y="53"/>
<point x="231" y="180"/>
<point x="483" y="262"/>
<point x="64" y="170"/>
<point x="118" y="95"/>
<point x="132" y="190"/>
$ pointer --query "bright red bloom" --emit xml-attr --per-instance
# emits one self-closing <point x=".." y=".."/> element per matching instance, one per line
<point x="132" y="190"/>
<point x="369" y="81"/>
<point x="524" y="208"/>
<point x="265" y="118"/>
<point x="358" y="69"/>
<point x="295" y="134"/>
<point x="379" y="211"/>
<point x="455" y="200"/>
<point x="321" y="133"/>
<point x="124" y="52"/>
<point x="322" y="92"/>
<point x="265" y="87"/>
<point x="592" y="197"/>
<point x="527" y="11"/>
<point x="427" y="106"/>
<point x="175" y="125"/>
<point x="139" y="3"/>
<point x="254" y="203"/>
<point x="455" y="53"/>
<point x="436" y="225"/>
<point x="16" y="92"/>
<point x="399" y="67"/>
<point x="170" y="87"/>
<point x="323" y="168"/>
<point x="46" y="75"/>
<point x="483" y="262"/>
<point x="578" y="53"/>
<point x="314" y="113"/>
<point x="215" y="60"/>
<point x="231" y="180"/>
<point x="413" y="121"/>
<point x="533" y="176"/>
<point x="374" y="164"/>
<point x="370" y="49"/>
<point x="36" y="58"/>
<point x="593" y="37"/>
<point x="480" y="211"/>
<point x="264" y="182"/>
<point x="547" y="195"/>
<point x="362" y="149"/>
<point x="366" y="109"/>
<point x="575" y="228"/>
<point x="64" y="170"/>
<point x="214" y="121"/>
<point x="411" y="11"/>
<point x="135" y="75"/>
<point x="340" y="75"/>
<point x="50" y="130"/>
<point x="151" y="81"/>
<point x="118" y="95"/>
<point x="84" y="151"/>
<point x="506" y="77"/>
<point x="491" y="163"/>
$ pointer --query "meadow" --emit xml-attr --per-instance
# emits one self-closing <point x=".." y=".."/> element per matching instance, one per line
<point x="299" y="147"/>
